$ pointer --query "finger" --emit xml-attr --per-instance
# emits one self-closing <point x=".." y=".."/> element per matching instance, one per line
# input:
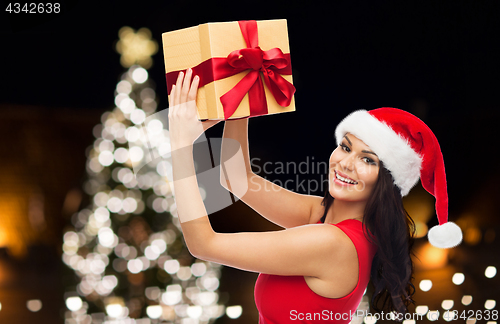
<point x="185" y="86"/>
<point x="178" y="87"/>
<point x="171" y="97"/>
<point x="194" y="88"/>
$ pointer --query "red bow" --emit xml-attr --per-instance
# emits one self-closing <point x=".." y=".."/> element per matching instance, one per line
<point x="271" y="63"/>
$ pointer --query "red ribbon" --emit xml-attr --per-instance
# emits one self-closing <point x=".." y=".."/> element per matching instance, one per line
<point x="271" y="64"/>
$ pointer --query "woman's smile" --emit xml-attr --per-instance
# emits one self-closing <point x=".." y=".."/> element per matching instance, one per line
<point x="354" y="170"/>
<point x="343" y="179"/>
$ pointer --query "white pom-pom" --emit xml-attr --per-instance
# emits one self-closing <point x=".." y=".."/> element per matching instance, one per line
<point x="445" y="236"/>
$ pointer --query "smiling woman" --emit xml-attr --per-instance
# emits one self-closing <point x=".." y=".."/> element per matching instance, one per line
<point x="355" y="170"/>
<point x="312" y="266"/>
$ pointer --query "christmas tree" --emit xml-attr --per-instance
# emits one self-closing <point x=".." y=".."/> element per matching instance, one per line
<point x="126" y="247"/>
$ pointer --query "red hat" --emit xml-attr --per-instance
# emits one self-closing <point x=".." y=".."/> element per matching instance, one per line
<point x="409" y="150"/>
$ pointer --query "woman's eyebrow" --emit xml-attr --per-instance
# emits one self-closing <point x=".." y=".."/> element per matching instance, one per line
<point x="347" y="138"/>
<point x="369" y="152"/>
<point x="364" y="151"/>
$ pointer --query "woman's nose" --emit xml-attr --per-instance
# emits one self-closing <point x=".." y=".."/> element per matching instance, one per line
<point x="347" y="163"/>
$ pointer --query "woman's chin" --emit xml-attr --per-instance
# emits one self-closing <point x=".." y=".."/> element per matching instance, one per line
<point x="347" y="195"/>
<point x="341" y="195"/>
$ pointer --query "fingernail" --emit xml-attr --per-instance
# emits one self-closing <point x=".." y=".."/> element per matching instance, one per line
<point x="189" y="70"/>
<point x="196" y="78"/>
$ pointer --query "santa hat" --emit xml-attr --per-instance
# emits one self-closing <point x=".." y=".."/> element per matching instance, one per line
<point x="409" y="150"/>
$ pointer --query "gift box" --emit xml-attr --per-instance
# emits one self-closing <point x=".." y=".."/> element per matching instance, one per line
<point x="244" y="67"/>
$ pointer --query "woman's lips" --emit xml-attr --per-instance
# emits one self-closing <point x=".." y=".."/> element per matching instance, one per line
<point x="342" y="183"/>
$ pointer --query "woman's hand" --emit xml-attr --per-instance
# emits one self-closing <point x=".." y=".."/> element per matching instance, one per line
<point x="184" y="125"/>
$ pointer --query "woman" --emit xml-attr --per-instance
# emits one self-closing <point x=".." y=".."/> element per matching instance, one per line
<point x="313" y="271"/>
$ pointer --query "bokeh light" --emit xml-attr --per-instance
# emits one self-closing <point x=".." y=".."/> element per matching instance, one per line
<point x="421" y="309"/>
<point x="458" y="278"/>
<point x="139" y="75"/>
<point x="34" y="305"/>
<point x="124" y="87"/>
<point x="490" y="304"/>
<point x="432" y="315"/>
<point x="447" y="304"/>
<point x="466" y="300"/>
<point x="115" y="310"/>
<point x="154" y="311"/>
<point x="136" y="47"/>
<point x="425" y="285"/>
<point x="490" y="272"/>
<point x="234" y="311"/>
<point x="74" y="303"/>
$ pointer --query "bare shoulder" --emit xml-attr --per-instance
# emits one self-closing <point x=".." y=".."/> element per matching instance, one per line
<point x="338" y="274"/>
<point x="342" y="240"/>
<point x="338" y="237"/>
<point x="335" y="244"/>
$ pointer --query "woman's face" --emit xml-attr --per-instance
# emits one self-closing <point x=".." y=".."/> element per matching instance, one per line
<point x="353" y="170"/>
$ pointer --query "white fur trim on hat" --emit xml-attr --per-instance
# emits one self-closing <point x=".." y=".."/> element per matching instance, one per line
<point x="445" y="236"/>
<point x="394" y="151"/>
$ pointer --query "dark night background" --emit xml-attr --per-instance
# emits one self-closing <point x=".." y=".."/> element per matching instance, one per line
<point x="436" y="59"/>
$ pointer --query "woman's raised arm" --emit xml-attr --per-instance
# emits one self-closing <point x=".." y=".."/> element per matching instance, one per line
<point x="304" y="250"/>
<point x="277" y="204"/>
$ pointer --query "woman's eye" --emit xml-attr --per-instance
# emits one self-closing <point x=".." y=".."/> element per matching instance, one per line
<point x="368" y="160"/>
<point x="345" y="147"/>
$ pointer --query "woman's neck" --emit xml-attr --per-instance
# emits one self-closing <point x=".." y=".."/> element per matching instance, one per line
<point x="341" y="210"/>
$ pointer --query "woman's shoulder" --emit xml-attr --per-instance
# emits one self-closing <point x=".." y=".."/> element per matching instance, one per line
<point x="337" y="237"/>
<point x="358" y="233"/>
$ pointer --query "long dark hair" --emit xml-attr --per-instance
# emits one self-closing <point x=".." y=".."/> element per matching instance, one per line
<point x="393" y="232"/>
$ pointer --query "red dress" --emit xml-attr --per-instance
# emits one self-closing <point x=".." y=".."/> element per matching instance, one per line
<point x="288" y="299"/>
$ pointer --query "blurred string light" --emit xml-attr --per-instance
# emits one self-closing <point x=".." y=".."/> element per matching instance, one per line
<point x="136" y="47"/>
<point x="447" y="304"/>
<point x="466" y="300"/>
<point x="490" y="304"/>
<point x="433" y="315"/>
<point x="234" y="311"/>
<point x="154" y="312"/>
<point x="458" y="278"/>
<point x="425" y="285"/>
<point x="448" y="316"/>
<point x="128" y="236"/>
<point x="34" y="305"/>
<point x="421" y="309"/>
<point x="74" y="303"/>
<point x="370" y="319"/>
<point x="490" y="272"/>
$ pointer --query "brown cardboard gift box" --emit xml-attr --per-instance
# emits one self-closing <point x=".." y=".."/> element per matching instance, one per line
<point x="190" y="47"/>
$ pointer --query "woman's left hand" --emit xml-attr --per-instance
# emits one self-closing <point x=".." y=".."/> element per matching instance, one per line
<point x="184" y="125"/>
